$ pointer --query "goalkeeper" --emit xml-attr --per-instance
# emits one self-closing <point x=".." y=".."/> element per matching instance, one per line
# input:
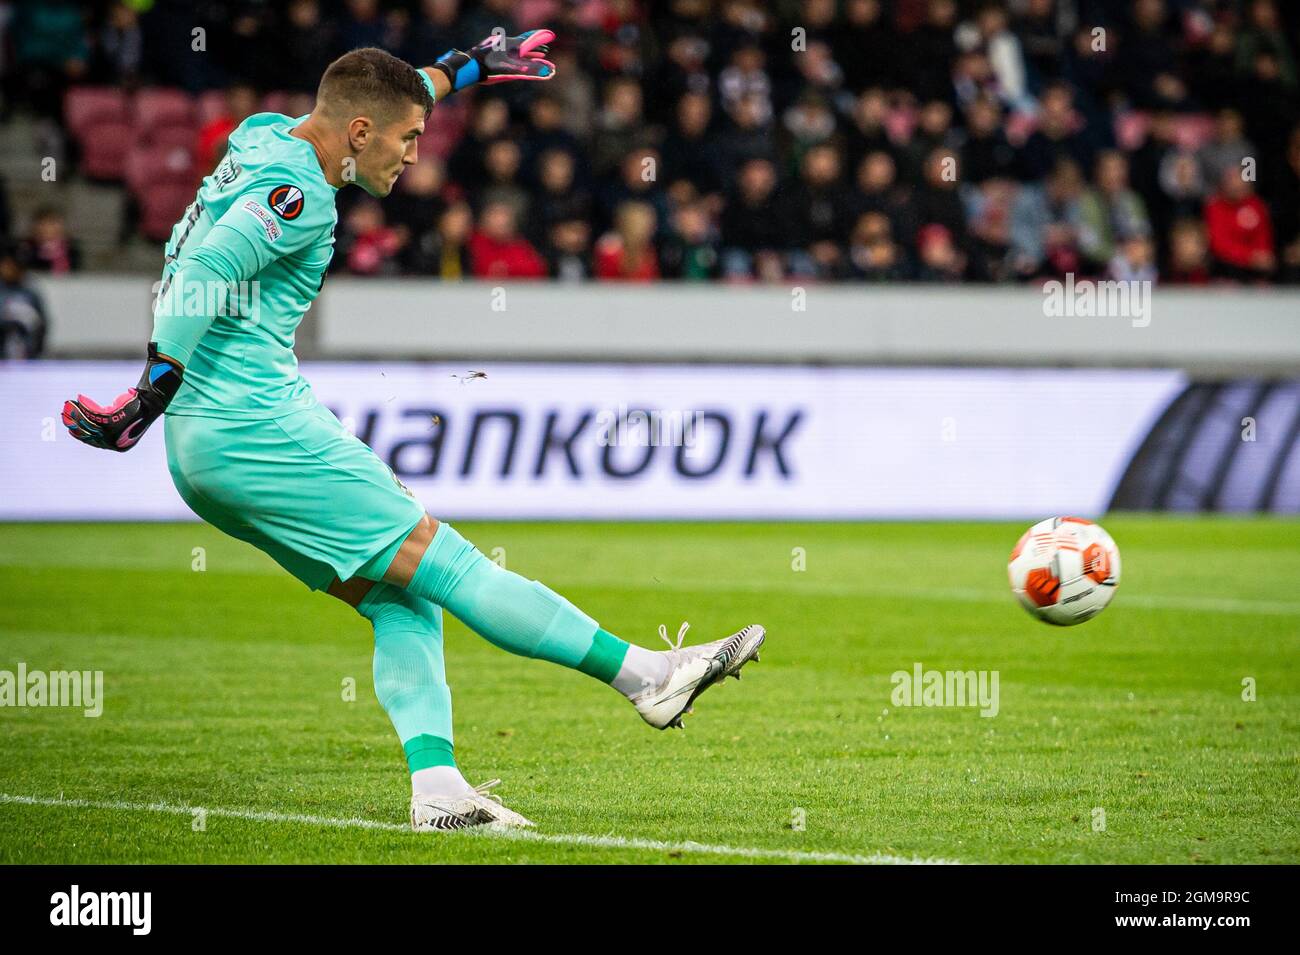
<point x="252" y="452"/>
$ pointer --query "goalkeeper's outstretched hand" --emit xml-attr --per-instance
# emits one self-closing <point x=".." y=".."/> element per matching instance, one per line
<point x="120" y="425"/>
<point x="500" y="59"/>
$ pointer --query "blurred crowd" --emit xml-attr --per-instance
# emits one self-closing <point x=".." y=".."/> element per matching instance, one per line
<point x="740" y="140"/>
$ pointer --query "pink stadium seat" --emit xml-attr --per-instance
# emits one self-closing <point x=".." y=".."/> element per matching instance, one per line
<point x="444" y="129"/>
<point x="159" y="106"/>
<point x="181" y="137"/>
<point x="534" y="14"/>
<point x="160" y="207"/>
<point x="104" y="149"/>
<point x="275" y="103"/>
<point x="151" y="167"/>
<point x="211" y="105"/>
<point x="85" y="105"/>
<point x="288" y="104"/>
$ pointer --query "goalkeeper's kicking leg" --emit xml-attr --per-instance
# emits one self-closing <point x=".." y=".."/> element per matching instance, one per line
<point x="527" y="618"/>
<point x="435" y="568"/>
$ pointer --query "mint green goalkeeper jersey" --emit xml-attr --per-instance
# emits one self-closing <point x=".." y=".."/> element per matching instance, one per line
<point x="263" y="222"/>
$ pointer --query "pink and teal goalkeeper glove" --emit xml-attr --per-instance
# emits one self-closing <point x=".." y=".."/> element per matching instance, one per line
<point x="120" y="425"/>
<point x="499" y="59"/>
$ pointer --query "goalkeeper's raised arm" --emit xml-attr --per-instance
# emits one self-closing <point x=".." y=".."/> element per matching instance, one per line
<point x="249" y="256"/>
<point x="496" y="59"/>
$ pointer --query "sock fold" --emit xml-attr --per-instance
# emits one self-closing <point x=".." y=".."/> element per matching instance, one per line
<point x="425" y="751"/>
<point x="605" y="657"/>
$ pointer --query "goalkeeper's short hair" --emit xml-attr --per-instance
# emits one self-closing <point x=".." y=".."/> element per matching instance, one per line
<point x="369" y="81"/>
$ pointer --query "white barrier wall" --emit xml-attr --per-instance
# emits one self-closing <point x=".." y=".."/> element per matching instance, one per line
<point x="1231" y="330"/>
<point x="533" y="441"/>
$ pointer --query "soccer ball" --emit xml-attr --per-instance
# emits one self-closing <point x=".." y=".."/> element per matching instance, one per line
<point x="1064" y="570"/>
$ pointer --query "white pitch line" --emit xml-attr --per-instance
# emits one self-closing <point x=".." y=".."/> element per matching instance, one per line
<point x="521" y="835"/>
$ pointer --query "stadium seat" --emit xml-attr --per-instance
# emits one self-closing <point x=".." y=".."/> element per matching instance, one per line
<point x="150" y="167"/>
<point x="84" y="106"/>
<point x="211" y="105"/>
<point x="535" y="14"/>
<point x="105" y="145"/>
<point x="444" y="128"/>
<point x="177" y="137"/>
<point x="160" y="206"/>
<point x="159" y="106"/>
<point x="275" y="103"/>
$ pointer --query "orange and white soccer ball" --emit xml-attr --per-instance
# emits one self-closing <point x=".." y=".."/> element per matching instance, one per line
<point x="1064" y="570"/>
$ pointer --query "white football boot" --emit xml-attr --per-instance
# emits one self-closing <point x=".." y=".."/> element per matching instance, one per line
<point x="438" y="813"/>
<point x="694" y="670"/>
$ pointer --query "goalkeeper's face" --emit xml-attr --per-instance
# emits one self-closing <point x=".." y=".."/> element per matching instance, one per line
<point x="385" y="147"/>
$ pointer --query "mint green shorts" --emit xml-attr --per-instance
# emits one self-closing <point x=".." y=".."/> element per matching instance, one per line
<point x="300" y="487"/>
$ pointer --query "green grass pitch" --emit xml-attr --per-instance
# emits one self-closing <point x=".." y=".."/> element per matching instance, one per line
<point x="225" y="689"/>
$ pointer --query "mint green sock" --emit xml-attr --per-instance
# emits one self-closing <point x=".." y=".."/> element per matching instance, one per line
<point x="517" y="614"/>
<point x="410" y="679"/>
